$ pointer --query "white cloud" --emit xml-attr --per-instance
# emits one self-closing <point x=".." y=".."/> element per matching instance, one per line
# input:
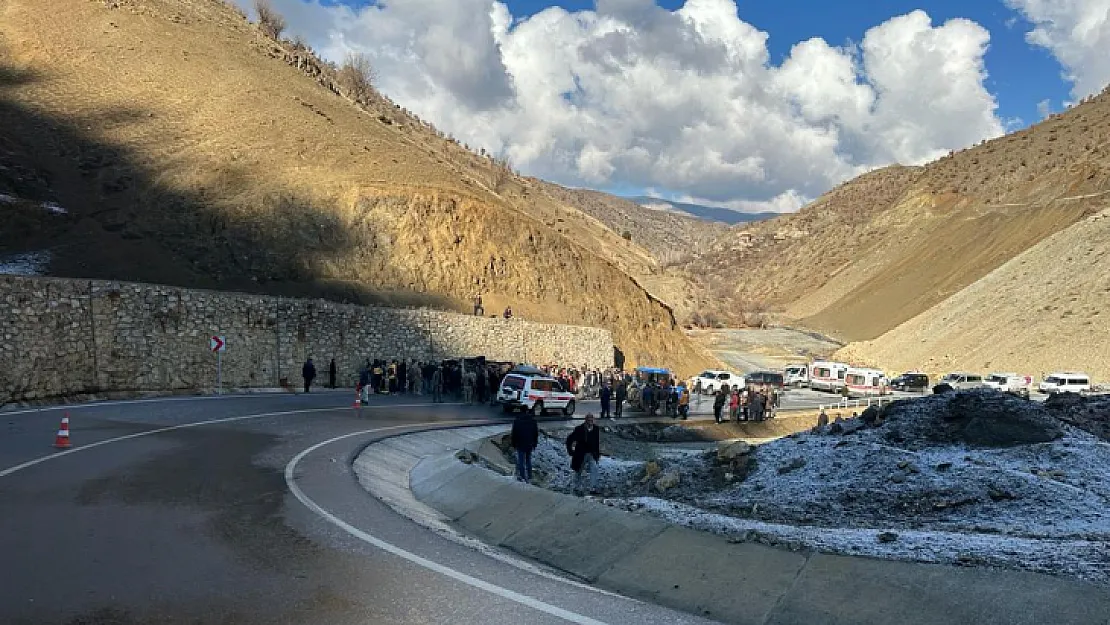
<point x="1044" y="108"/>
<point x="1077" y="33"/>
<point x="633" y="95"/>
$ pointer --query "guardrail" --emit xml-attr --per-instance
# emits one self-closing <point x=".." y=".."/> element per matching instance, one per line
<point x="866" y="402"/>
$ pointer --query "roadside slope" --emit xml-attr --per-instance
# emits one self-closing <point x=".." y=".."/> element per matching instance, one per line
<point x="1043" y="310"/>
<point x="186" y="148"/>
<point x="890" y="244"/>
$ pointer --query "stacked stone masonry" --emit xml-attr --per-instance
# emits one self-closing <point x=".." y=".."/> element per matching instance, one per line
<point x="63" y="337"/>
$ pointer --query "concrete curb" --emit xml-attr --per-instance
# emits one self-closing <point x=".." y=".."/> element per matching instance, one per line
<point x="705" y="574"/>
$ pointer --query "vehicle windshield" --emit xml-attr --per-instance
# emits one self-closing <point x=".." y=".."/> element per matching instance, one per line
<point x="1053" y="380"/>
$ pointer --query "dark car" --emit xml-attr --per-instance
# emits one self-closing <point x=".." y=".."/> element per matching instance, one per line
<point x="913" y="382"/>
<point x="764" y="378"/>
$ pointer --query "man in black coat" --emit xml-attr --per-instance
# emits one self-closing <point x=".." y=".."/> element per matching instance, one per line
<point x="605" y="395"/>
<point x="620" y="395"/>
<point x="584" y="447"/>
<point x="308" y="372"/>
<point x="524" y="437"/>
<point x="331" y="374"/>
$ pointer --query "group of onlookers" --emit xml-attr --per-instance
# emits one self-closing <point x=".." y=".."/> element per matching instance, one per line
<point x="750" y="403"/>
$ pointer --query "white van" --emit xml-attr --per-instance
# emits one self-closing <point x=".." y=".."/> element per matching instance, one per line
<point x="827" y="376"/>
<point x="535" y="393"/>
<point x="796" y="376"/>
<point x="861" y="382"/>
<point x="1010" y="383"/>
<point x="962" y="380"/>
<point x="1066" y="382"/>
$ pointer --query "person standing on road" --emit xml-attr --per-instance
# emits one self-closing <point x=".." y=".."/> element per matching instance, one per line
<point x="364" y="383"/>
<point x="584" y="447"/>
<point x="719" y="402"/>
<point x="605" y="395"/>
<point x="524" y="438"/>
<point x="331" y="374"/>
<point x="755" y="408"/>
<point x="621" y="394"/>
<point x="308" y="372"/>
<point x="734" y="405"/>
<point x="437" y="385"/>
<point x="683" y="403"/>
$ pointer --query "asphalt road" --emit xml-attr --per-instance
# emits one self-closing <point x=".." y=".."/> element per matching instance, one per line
<point x="187" y="511"/>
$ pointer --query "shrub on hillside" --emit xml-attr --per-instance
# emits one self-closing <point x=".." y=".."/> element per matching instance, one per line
<point x="357" y="76"/>
<point x="269" y="20"/>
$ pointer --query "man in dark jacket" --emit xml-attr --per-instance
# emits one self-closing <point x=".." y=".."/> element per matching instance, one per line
<point x="621" y="395"/>
<point x="719" y="402"/>
<point x="605" y="395"/>
<point x="584" y="447"/>
<point x="308" y="372"/>
<point x="331" y="374"/>
<point x="524" y="437"/>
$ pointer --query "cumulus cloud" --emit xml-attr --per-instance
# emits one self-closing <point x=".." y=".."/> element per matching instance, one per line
<point x="1077" y="33"/>
<point x="686" y="101"/>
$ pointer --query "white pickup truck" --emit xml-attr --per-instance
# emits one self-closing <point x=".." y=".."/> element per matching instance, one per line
<point x="1010" y="383"/>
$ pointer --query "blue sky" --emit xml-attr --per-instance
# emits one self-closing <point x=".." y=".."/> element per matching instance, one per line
<point x="571" y="101"/>
<point x="1021" y="76"/>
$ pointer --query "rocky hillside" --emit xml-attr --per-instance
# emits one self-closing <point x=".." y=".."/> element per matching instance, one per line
<point x="170" y="141"/>
<point x="893" y="243"/>
<point x="1042" y="311"/>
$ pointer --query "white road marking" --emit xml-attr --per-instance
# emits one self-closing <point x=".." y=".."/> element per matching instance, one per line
<point x="120" y="402"/>
<point x="182" y="426"/>
<point x="436" y="567"/>
<point x="494" y="589"/>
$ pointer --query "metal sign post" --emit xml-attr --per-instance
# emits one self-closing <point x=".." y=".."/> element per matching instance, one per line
<point x="218" y="344"/>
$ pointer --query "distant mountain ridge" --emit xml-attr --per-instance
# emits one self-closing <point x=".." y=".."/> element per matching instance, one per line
<point x="709" y="213"/>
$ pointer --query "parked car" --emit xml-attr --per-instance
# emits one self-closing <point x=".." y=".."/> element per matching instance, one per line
<point x="534" y="391"/>
<point x="765" y="378"/>
<point x="911" y="381"/>
<point x="796" y="376"/>
<point x="1066" y="382"/>
<point x="1010" y="383"/>
<point x="962" y="380"/>
<point x="711" y="380"/>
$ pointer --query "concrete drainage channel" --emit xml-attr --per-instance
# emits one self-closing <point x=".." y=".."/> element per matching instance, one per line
<point x="421" y="476"/>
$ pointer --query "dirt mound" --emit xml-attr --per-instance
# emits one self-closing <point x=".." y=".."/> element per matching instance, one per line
<point x="981" y="417"/>
<point x="1091" y="414"/>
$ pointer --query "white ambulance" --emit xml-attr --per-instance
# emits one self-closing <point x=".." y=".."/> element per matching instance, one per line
<point x="827" y="376"/>
<point x="862" y="382"/>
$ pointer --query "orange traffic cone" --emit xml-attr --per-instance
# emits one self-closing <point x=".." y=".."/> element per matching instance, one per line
<point x="61" y="441"/>
<point x="358" y="396"/>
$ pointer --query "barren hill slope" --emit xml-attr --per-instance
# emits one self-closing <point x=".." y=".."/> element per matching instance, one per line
<point x="891" y="244"/>
<point x="1044" y="310"/>
<point x="189" y="149"/>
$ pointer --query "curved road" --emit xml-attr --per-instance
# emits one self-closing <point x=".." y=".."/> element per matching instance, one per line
<point x="244" y="509"/>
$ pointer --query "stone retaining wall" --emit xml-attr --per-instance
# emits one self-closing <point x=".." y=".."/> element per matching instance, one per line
<point x="61" y="337"/>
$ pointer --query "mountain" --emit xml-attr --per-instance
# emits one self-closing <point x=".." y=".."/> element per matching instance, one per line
<point x="184" y="146"/>
<point x="708" y="213"/>
<point x="910" y="259"/>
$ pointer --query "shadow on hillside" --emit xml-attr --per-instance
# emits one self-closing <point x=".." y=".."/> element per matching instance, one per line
<point x="124" y="221"/>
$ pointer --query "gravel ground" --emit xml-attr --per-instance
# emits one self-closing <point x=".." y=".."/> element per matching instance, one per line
<point x="975" y="478"/>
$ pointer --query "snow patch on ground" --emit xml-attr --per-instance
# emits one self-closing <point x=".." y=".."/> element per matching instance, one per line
<point x="908" y="489"/>
<point x="54" y="209"/>
<point x="25" y="264"/>
<point x="7" y="199"/>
